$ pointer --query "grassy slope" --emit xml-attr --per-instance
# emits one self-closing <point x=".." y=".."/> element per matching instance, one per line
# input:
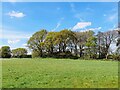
<point x="53" y="73"/>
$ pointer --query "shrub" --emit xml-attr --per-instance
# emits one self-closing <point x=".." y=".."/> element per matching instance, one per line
<point x="116" y="57"/>
<point x="35" y="54"/>
<point x="5" y="52"/>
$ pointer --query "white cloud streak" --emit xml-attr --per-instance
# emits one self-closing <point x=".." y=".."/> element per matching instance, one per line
<point x="7" y="33"/>
<point x="81" y="25"/>
<point x="58" y="24"/>
<point x="13" y="41"/>
<point x="16" y="14"/>
<point x="112" y="17"/>
<point x="91" y="29"/>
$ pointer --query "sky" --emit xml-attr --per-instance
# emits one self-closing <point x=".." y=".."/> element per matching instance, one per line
<point x="22" y="19"/>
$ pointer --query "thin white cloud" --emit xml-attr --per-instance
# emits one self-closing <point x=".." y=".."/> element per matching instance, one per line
<point x="25" y="44"/>
<point x="13" y="41"/>
<point x="81" y="25"/>
<point x="78" y="16"/>
<point x="91" y="29"/>
<point x="112" y="17"/>
<point x="8" y="33"/>
<point x="16" y="14"/>
<point x="58" y="24"/>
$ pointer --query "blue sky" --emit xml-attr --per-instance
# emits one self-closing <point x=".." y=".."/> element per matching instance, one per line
<point x="21" y="19"/>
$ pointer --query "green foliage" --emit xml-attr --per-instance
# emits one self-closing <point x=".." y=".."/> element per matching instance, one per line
<point x="62" y="38"/>
<point x="59" y="73"/>
<point x="5" y="52"/>
<point x="66" y="54"/>
<point x="36" y="42"/>
<point x="91" y="47"/>
<point x="49" y="42"/>
<point x="116" y="57"/>
<point x="35" y="54"/>
<point x="83" y="44"/>
<point x="19" y="53"/>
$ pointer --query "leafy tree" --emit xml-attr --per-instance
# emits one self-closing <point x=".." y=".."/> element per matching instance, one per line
<point x="36" y="42"/>
<point x="62" y="39"/>
<point x="67" y="37"/>
<point x="58" y="41"/>
<point x="100" y="39"/>
<point x="49" y="42"/>
<point x="91" y="46"/>
<point x="5" y="52"/>
<point x="73" y="42"/>
<point x="67" y="41"/>
<point x="35" y="54"/>
<point x="19" y="52"/>
<point x="82" y="38"/>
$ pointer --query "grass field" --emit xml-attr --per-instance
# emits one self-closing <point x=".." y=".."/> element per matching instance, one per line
<point x="59" y="73"/>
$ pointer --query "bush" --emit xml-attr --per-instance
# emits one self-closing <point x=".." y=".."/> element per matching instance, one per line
<point x="110" y="56"/>
<point x="35" y="54"/>
<point x="26" y="56"/>
<point x="64" y="55"/>
<point x="5" y="52"/>
<point x="116" y="57"/>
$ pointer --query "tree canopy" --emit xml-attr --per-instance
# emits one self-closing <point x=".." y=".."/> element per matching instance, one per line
<point x="5" y="52"/>
<point x="19" y="52"/>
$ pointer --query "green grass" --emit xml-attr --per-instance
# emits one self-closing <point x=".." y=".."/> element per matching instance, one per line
<point x="59" y="73"/>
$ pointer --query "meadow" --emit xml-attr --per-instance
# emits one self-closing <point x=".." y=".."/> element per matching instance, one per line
<point x="59" y="73"/>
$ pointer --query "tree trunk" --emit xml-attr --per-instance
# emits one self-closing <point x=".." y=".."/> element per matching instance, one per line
<point x="80" y="47"/>
<point x="59" y="47"/>
<point x="64" y="47"/>
<point x="51" y="49"/>
<point x="41" y="53"/>
<point x="99" y="49"/>
<point x="75" y="50"/>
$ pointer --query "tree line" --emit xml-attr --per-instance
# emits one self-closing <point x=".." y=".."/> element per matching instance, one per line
<point x="70" y="44"/>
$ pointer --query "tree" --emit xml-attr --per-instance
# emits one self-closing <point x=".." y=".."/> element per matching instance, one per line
<point x="5" y="52"/>
<point x="65" y="37"/>
<point x="108" y="37"/>
<point x="104" y="40"/>
<point x="91" y="46"/>
<point x="62" y="39"/>
<point x="49" y="42"/>
<point x="118" y="40"/>
<point x="36" y="42"/>
<point x="58" y="41"/>
<point x="35" y="54"/>
<point x="82" y="39"/>
<point x="73" y="42"/>
<point x="19" y="52"/>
